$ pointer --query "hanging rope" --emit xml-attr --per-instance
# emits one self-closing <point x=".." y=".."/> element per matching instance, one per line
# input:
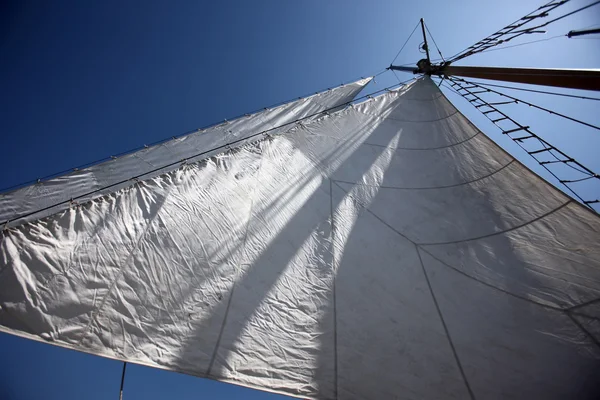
<point x="122" y="380"/>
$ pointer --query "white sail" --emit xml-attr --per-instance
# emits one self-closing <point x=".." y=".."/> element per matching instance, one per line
<point x="387" y="250"/>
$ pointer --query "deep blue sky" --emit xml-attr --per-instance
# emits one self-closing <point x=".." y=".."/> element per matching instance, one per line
<point x="82" y="80"/>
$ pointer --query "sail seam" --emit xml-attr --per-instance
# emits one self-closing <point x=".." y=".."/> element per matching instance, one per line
<point x="585" y="304"/>
<point x="437" y="306"/>
<point x="429" y="188"/>
<point x="457" y="270"/>
<point x="407" y="120"/>
<point x="398" y="148"/>
<point x="585" y="331"/>
<point x="493" y="286"/>
<point x="423" y="149"/>
<point x="500" y="232"/>
<point x="579" y="314"/>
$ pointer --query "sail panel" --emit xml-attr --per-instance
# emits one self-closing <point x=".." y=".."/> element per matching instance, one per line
<point x="389" y="249"/>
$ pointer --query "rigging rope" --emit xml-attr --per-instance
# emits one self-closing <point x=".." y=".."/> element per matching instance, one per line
<point x="496" y="38"/>
<point x="122" y="380"/>
<point x="225" y="146"/>
<point x="540" y="91"/>
<point x="509" y="28"/>
<point x="402" y="48"/>
<point x="523" y="44"/>
<point x="436" y="46"/>
<point x="546" y="146"/>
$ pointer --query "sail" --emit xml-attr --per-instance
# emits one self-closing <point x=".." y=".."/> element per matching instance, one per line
<point x="386" y="250"/>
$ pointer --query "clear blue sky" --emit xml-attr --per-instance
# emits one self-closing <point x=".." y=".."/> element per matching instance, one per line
<point x="81" y="81"/>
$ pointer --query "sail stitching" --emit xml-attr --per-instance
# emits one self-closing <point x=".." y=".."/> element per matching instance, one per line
<point x="458" y="363"/>
<point x="462" y="272"/>
<point x="430" y="188"/>
<point x="500" y="232"/>
<point x="493" y="286"/>
<point x="423" y="149"/>
<point x="401" y="148"/>
<point x="564" y="310"/>
<point x="403" y="120"/>
<point x="588" y="333"/>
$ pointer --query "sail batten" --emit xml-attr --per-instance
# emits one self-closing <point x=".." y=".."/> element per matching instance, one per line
<point x="388" y="249"/>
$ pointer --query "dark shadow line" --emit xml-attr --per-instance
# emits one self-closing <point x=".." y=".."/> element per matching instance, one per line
<point x="454" y="268"/>
<point x="423" y="149"/>
<point x="405" y="120"/>
<point x="580" y="326"/>
<point x="587" y="303"/>
<point x="432" y="99"/>
<point x="428" y="188"/>
<point x="501" y="232"/>
<point x="373" y="214"/>
<point x="583" y="315"/>
<point x="495" y="287"/>
<point x="462" y="372"/>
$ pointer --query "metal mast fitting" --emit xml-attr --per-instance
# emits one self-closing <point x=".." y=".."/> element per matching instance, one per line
<point x="586" y="79"/>
<point x="425" y="63"/>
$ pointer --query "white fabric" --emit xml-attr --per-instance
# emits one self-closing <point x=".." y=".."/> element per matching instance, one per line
<point x="388" y="250"/>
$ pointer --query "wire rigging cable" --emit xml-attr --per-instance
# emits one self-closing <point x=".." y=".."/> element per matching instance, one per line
<point x="492" y="40"/>
<point x="483" y="86"/>
<point x="525" y="43"/>
<point x="436" y="46"/>
<point x="539" y="91"/>
<point x="404" y="45"/>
